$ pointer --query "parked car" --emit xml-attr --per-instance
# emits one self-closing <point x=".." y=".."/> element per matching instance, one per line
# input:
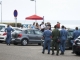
<point x="68" y="41"/>
<point x="3" y="26"/>
<point x="26" y="36"/>
<point x="3" y="34"/>
<point x="76" y="46"/>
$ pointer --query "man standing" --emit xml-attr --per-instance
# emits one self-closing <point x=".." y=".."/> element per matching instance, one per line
<point x="55" y="38"/>
<point x="47" y="39"/>
<point x="76" y="34"/>
<point x="8" y="31"/>
<point x="63" y="38"/>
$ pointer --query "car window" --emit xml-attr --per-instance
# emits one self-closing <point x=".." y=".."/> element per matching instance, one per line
<point x="38" y="32"/>
<point x="29" y="32"/>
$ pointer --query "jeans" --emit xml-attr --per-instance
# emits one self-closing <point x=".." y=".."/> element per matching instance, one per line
<point x="8" y="39"/>
<point x="47" y="44"/>
<point x="62" y="46"/>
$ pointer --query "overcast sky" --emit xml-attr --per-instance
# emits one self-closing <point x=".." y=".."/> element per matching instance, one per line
<point x="67" y="12"/>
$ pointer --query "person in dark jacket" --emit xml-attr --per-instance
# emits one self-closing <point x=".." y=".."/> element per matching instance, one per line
<point x="8" y="31"/>
<point x="47" y="39"/>
<point x="63" y="38"/>
<point x="55" y="38"/>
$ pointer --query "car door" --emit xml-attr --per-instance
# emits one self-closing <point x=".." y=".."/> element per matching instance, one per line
<point x="38" y="35"/>
<point x="31" y="35"/>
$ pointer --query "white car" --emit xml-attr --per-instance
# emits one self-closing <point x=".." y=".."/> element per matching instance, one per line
<point x="3" y="34"/>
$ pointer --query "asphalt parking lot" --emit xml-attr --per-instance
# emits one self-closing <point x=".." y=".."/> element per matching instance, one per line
<point x="31" y="52"/>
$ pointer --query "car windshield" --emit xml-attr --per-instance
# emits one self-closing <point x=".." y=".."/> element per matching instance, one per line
<point x="70" y="32"/>
<point x="1" y="27"/>
<point x="2" y="30"/>
<point x="16" y="30"/>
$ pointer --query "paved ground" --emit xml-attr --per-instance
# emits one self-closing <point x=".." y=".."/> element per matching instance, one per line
<point x="31" y="53"/>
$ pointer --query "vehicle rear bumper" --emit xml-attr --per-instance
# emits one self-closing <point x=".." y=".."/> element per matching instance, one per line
<point x="16" y="40"/>
<point x="76" y="48"/>
<point x="2" y="38"/>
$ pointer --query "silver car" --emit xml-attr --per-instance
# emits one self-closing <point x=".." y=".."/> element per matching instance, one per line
<point x="26" y="36"/>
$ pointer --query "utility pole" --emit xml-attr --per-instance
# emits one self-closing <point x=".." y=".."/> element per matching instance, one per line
<point x="1" y="10"/>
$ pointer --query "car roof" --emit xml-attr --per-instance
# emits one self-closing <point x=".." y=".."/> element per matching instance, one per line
<point x="27" y="29"/>
<point x="3" y="24"/>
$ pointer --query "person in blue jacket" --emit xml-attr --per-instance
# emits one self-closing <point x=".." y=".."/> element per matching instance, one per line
<point x="63" y="38"/>
<point x="8" y="31"/>
<point x="76" y="34"/>
<point x="47" y="39"/>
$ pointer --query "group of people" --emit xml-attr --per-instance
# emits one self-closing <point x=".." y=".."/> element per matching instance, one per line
<point x="42" y="26"/>
<point x="58" y="38"/>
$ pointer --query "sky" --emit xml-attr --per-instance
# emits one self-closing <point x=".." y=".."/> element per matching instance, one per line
<point x="67" y="12"/>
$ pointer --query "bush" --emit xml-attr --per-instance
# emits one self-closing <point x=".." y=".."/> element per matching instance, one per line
<point x="13" y="24"/>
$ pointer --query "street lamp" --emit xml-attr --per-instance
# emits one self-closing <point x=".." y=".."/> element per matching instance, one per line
<point x="36" y="10"/>
<point x="35" y="5"/>
<point x="1" y="10"/>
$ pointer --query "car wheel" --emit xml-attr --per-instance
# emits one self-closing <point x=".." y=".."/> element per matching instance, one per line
<point x="24" y="42"/>
<point x="1" y="41"/>
<point x="77" y="53"/>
